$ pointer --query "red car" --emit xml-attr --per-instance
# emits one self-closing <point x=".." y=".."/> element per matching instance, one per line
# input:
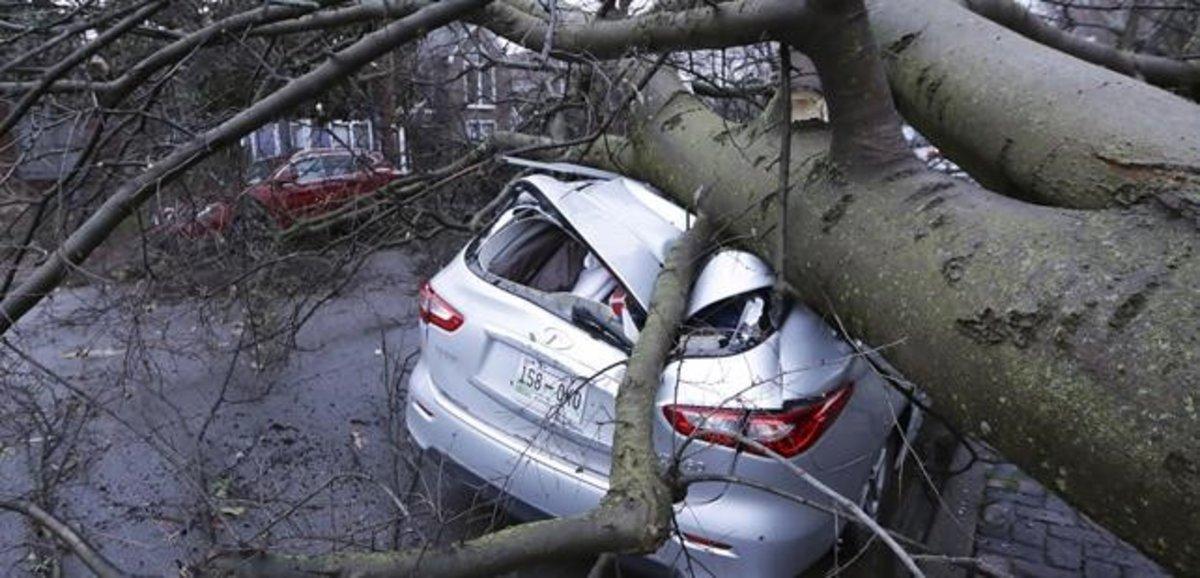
<point x="312" y="182"/>
<point x="316" y="181"/>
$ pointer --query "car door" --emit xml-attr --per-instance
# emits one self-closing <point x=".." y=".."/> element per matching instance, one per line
<point x="343" y="181"/>
<point x="304" y="189"/>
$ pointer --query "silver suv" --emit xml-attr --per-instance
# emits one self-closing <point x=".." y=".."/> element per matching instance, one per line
<point x="524" y="336"/>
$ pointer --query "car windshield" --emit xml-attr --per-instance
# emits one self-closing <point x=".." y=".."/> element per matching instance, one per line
<point x="313" y="169"/>
<point x="338" y="165"/>
<point x="731" y="325"/>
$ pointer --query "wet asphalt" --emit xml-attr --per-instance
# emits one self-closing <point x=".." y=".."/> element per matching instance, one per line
<point x="206" y="449"/>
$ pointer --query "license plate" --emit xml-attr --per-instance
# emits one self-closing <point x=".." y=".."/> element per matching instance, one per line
<point x="556" y="393"/>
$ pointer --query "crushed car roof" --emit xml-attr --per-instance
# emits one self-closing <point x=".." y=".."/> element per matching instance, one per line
<point x="631" y="228"/>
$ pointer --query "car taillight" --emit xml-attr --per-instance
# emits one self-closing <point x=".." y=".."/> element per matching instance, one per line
<point x="786" y="432"/>
<point x="436" y="311"/>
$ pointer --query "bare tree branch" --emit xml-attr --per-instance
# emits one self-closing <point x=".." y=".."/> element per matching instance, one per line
<point x="72" y="60"/>
<point x="1157" y="70"/>
<point x="92" y="558"/>
<point x="125" y="199"/>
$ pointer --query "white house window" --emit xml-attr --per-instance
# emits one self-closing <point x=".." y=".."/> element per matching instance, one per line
<point x="364" y="137"/>
<point x="481" y="87"/>
<point x="402" y="162"/>
<point x="479" y="130"/>
<point x="341" y="134"/>
<point x="303" y="134"/>
<point x="355" y="134"/>
<point x="264" y="143"/>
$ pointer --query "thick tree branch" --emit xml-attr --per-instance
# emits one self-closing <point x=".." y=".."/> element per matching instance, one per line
<point x="866" y="127"/>
<point x="341" y="17"/>
<point x="1032" y="122"/>
<point x="711" y="26"/>
<point x="1075" y="141"/>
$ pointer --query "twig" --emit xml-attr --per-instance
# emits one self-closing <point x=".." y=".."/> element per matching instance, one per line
<point x="785" y="162"/>
<point x="93" y="559"/>
<point x="854" y="509"/>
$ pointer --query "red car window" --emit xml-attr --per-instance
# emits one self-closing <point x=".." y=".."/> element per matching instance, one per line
<point x="339" y="165"/>
<point x="308" y="170"/>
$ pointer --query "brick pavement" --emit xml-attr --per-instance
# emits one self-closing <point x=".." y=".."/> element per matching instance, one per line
<point x="1028" y="531"/>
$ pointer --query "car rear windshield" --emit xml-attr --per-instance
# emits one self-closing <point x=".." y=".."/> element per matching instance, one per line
<point x="534" y="257"/>
<point x="731" y="325"/>
<point x="535" y="253"/>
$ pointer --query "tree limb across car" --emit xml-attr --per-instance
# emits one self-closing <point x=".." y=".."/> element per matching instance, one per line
<point x="1054" y="313"/>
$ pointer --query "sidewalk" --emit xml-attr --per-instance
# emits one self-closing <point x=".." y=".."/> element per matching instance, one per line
<point x="1025" y="529"/>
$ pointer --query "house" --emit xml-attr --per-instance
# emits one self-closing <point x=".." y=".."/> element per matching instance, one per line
<point x="462" y="85"/>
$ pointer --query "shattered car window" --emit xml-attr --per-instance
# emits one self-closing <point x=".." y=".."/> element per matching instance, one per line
<point x="731" y="325"/>
<point x="537" y="254"/>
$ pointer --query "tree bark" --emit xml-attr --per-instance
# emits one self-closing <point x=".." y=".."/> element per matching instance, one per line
<point x="1035" y="123"/>
<point x="1066" y="338"/>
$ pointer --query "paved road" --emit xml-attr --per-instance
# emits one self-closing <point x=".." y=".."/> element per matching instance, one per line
<point x="316" y="430"/>
<point x="1027" y="530"/>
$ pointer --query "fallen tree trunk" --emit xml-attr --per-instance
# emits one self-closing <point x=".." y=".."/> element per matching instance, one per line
<point x="1066" y="338"/>
<point x="1024" y="119"/>
<point x="1035" y="123"/>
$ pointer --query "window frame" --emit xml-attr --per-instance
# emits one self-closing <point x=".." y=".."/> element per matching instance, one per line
<point x="404" y="161"/>
<point x="473" y="125"/>
<point x="477" y="99"/>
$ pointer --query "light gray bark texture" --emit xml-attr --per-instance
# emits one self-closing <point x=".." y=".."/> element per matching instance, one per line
<point x="1033" y="122"/>
<point x="1067" y="338"/>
